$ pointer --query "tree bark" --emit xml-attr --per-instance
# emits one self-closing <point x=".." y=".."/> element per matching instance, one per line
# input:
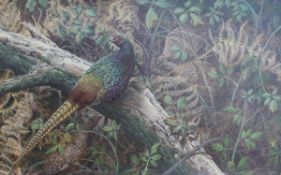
<point x="136" y="108"/>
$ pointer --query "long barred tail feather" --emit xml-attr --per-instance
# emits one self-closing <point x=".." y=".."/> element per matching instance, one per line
<point x="66" y="109"/>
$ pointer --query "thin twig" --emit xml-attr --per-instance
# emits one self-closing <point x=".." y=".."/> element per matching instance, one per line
<point x="244" y="121"/>
<point x="270" y="37"/>
<point x="235" y="90"/>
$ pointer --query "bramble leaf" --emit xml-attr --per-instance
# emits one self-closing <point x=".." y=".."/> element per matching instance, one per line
<point x="181" y="103"/>
<point x="151" y="18"/>
<point x="273" y="106"/>
<point x="168" y="100"/>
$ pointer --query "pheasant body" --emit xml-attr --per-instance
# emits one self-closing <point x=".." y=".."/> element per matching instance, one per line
<point x="103" y="81"/>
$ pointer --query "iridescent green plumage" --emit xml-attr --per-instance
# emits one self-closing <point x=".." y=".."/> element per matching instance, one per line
<point x="109" y="69"/>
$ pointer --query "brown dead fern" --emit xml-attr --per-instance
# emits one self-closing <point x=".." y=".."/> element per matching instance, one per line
<point x="10" y="17"/>
<point x="6" y="100"/>
<point x="15" y="112"/>
<point x="233" y="45"/>
<point x="177" y="83"/>
<point x="13" y="129"/>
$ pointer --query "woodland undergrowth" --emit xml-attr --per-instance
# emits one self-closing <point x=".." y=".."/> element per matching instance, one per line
<point x="214" y="66"/>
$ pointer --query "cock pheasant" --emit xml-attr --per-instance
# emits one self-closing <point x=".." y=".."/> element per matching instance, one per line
<point x="103" y="81"/>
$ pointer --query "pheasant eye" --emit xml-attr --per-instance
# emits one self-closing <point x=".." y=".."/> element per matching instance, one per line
<point x="117" y="40"/>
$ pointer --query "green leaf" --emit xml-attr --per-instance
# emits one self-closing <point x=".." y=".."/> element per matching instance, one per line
<point x="163" y="3"/>
<point x="237" y="118"/>
<point x="256" y="136"/>
<point x="114" y="124"/>
<point x="171" y="121"/>
<point x="231" y="109"/>
<point x="168" y="100"/>
<point x="79" y="37"/>
<point x="90" y="13"/>
<point x="213" y="74"/>
<point x="246" y="134"/>
<point x="211" y="21"/>
<point x="194" y="9"/>
<point x="179" y="10"/>
<point x="218" y="4"/>
<point x="250" y="144"/>
<point x="181" y="103"/>
<point x="156" y="157"/>
<point x="70" y="126"/>
<point x="250" y="91"/>
<point x="52" y="149"/>
<point x="183" y="56"/>
<point x="273" y="106"/>
<point x="218" y="147"/>
<point x="60" y="149"/>
<point x="154" y="148"/>
<point x="183" y="18"/>
<point x="36" y="124"/>
<point x="107" y="129"/>
<point x="30" y="5"/>
<point x="143" y="158"/>
<point x="151" y="18"/>
<point x="196" y="19"/>
<point x="187" y="3"/>
<point x="43" y="3"/>
<point x="243" y="163"/>
<point x="266" y="94"/>
<point x="267" y="101"/>
<point x="217" y="18"/>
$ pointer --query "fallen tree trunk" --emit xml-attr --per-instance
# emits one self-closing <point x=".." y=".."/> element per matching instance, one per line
<point x="136" y="109"/>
